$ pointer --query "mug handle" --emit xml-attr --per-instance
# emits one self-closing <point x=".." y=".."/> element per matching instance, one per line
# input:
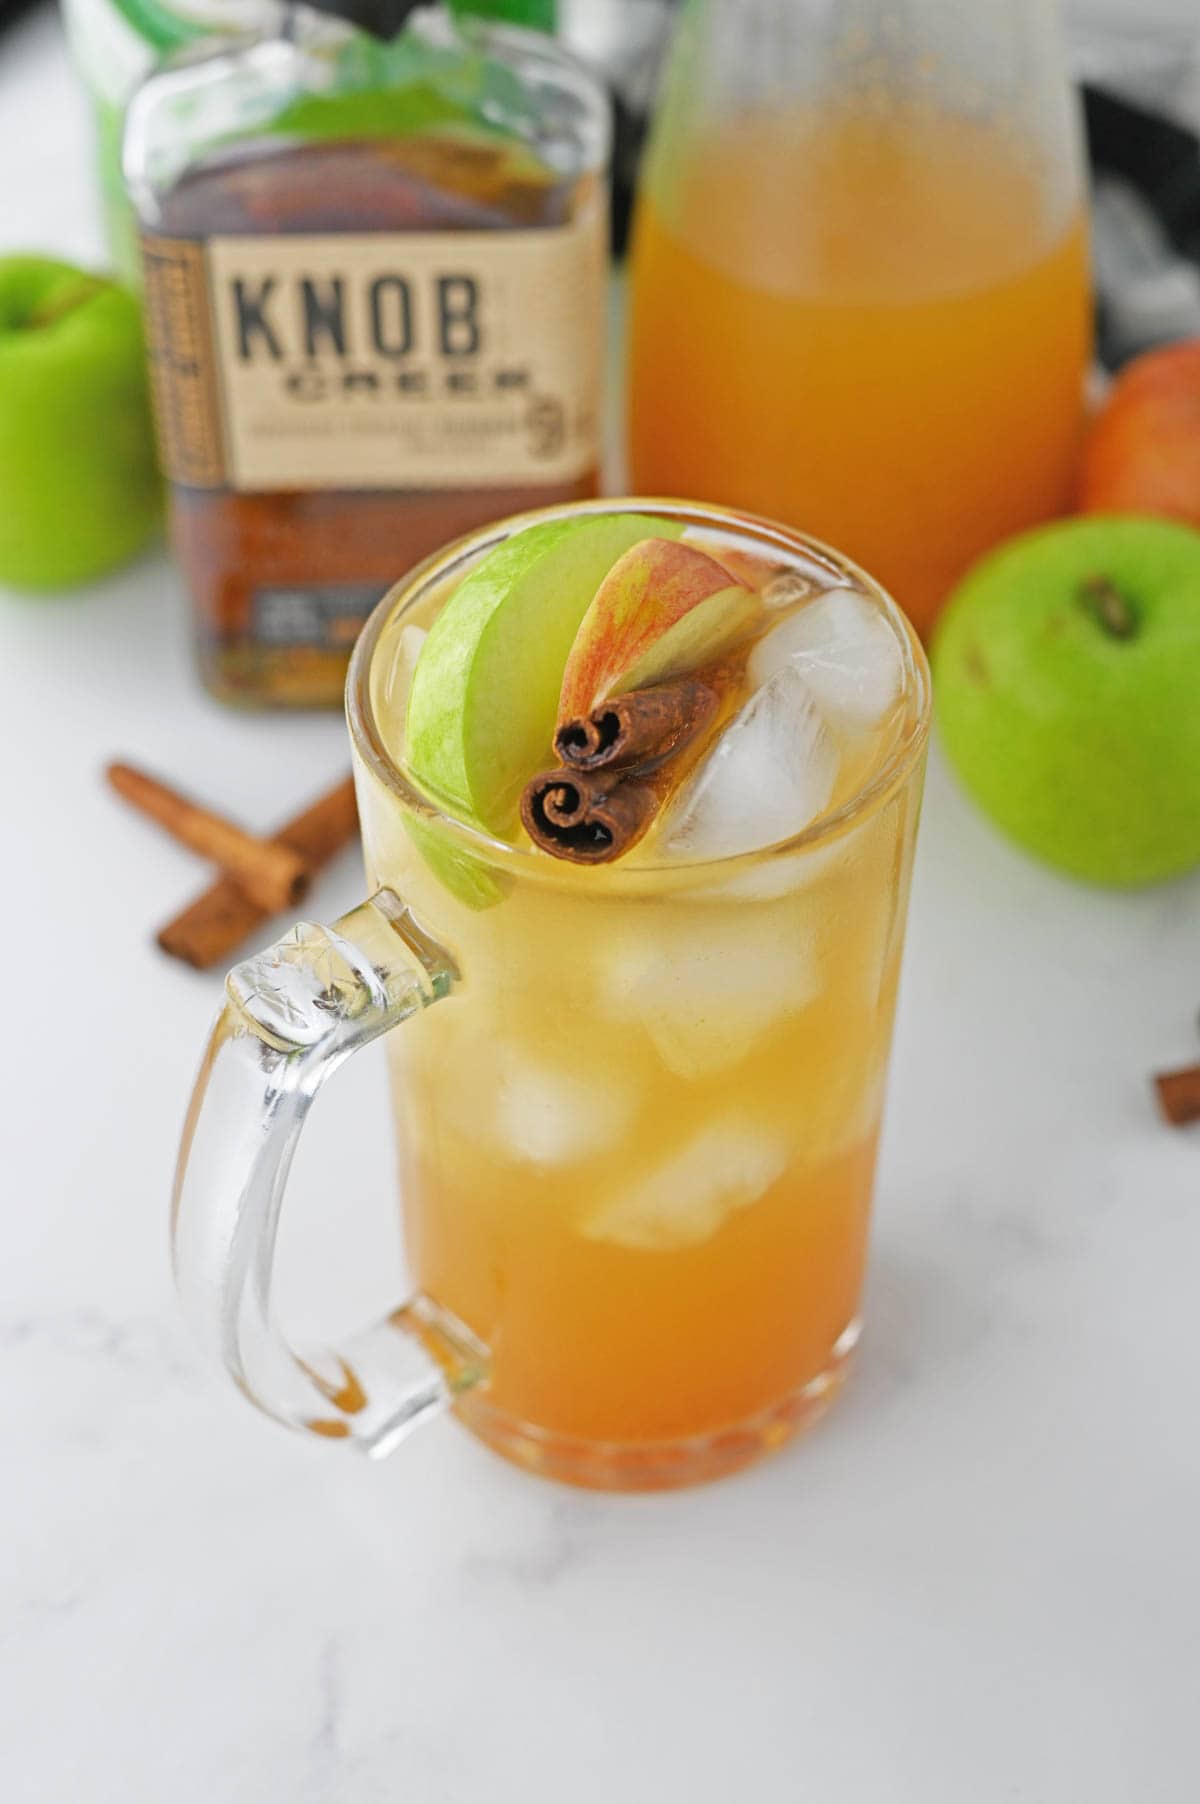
<point x="291" y="1016"/>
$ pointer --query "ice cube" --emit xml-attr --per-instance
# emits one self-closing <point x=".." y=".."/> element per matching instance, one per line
<point x="728" y="1166"/>
<point x="517" y="1099"/>
<point x="785" y="874"/>
<point x="706" y="985"/>
<point x="846" y="652"/>
<point x="787" y="590"/>
<point x="550" y="1117"/>
<point x="771" y="772"/>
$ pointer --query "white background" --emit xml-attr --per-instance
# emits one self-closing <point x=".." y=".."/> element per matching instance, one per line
<point x="975" y="1584"/>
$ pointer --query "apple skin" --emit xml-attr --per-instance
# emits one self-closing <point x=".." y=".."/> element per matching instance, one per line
<point x="1082" y="745"/>
<point x="663" y="608"/>
<point x="80" y="492"/>
<point x="481" y="707"/>
<point x="1142" y="454"/>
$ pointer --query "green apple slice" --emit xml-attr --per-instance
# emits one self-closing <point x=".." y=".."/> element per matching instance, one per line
<point x="484" y="698"/>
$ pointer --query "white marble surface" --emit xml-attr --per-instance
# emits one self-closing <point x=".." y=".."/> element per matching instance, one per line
<point x="975" y="1584"/>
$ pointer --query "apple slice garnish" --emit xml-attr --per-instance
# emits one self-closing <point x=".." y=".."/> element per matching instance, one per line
<point x="480" y="716"/>
<point x="663" y="608"/>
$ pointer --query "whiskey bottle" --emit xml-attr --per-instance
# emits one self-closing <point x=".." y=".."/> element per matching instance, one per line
<point x="374" y="271"/>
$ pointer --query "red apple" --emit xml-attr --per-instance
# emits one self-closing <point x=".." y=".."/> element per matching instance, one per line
<point x="1143" y="452"/>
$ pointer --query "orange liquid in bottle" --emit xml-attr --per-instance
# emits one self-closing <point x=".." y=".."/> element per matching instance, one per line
<point x="870" y="328"/>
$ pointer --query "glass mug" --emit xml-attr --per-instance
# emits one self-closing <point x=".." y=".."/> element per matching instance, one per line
<point x="637" y="1130"/>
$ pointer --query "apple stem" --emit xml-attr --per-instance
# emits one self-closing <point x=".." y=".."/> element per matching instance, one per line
<point x="1108" y="606"/>
<point x="65" y="301"/>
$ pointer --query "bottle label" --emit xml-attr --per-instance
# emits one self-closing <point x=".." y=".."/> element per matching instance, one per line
<point x="328" y="615"/>
<point x="378" y="360"/>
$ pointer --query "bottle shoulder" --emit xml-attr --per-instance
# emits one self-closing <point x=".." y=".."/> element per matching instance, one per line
<point x="440" y="98"/>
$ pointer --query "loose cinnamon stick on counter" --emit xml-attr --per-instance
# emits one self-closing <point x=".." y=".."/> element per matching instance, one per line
<point x="1179" y="1095"/>
<point x="216" y="923"/>
<point x="270" y="874"/>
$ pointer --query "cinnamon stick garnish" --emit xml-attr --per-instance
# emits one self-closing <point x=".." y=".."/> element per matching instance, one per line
<point x="592" y="818"/>
<point x="1179" y="1095"/>
<point x="646" y="725"/>
<point x="217" y="922"/>
<point x="618" y="766"/>
<point x="270" y="874"/>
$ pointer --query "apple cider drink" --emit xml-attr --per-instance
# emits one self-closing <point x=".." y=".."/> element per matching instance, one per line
<point x="661" y="774"/>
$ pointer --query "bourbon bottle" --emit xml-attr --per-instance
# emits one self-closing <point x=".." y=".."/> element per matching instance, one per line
<point x="375" y="274"/>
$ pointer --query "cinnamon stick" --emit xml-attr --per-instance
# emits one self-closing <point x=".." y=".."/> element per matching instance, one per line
<point x="272" y="875"/>
<point x="644" y="725"/>
<point x="217" y="922"/>
<point x="592" y="818"/>
<point x="619" y="764"/>
<point x="1179" y="1095"/>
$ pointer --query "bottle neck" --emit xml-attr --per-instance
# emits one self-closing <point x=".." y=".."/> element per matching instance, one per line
<point x="381" y="18"/>
<point x="384" y="18"/>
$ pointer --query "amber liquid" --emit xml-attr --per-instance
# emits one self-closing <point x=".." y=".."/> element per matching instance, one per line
<point x="868" y="328"/>
<point x="234" y="546"/>
<point x="638" y="1140"/>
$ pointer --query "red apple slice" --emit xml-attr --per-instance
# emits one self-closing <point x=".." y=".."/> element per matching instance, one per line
<point x="663" y="608"/>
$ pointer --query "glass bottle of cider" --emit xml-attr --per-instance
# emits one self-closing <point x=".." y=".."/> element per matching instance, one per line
<point x="374" y="270"/>
<point x="860" y="295"/>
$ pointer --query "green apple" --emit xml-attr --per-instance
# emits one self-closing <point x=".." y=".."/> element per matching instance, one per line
<point x="1067" y="681"/>
<point x="484" y="697"/>
<point x="79" y="486"/>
